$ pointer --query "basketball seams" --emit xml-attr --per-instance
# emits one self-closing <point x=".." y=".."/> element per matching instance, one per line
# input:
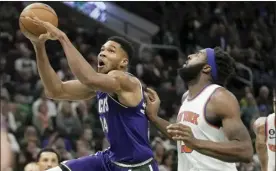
<point x="51" y="11"/>
<point x="41" y="9"/>
<point x="54" y="15"/>
<point x="26" y="28"/>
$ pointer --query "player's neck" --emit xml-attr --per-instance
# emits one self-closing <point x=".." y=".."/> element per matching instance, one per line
<point x="123" y="69"/>
<point x="196" y="87"/>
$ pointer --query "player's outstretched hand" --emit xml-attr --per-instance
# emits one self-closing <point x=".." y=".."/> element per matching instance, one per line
<point x="180" y="132"/>
<point x="53" y="33"/>
<point x="153" y="103"/>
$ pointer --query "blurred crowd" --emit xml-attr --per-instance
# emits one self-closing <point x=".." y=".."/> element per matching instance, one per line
<point x="246" y="30"/>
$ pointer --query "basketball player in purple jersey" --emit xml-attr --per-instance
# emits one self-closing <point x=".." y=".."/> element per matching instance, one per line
<point x="121" y="104"/>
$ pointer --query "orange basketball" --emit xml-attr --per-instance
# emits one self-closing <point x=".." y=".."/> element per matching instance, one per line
<point x="42" y="11"/>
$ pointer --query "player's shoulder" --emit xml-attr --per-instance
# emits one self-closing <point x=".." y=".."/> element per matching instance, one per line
<point x="259" y="124"/>
<point x="260" y="121"/>
<point x="224" y="103"/>
<point x="223" y="96"/>
<point x="117" y="73"/>
<point x="271" y="115"/>
<point x="122" y="75"/>
<point x="126" y="79"/>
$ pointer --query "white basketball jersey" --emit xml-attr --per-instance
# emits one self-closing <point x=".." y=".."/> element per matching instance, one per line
<point x="270" y="141"/>
<point x="192" y="114"/>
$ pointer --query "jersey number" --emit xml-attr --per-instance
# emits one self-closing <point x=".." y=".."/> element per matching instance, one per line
<point x="185" y="149"/>
<point x="104" y="124"/>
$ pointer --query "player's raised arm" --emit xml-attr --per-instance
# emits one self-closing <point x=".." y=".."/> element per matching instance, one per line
<point x="239" y="147"/>
<point x="105" y="81"/>
<point x="54" y="87"/>
<point x="112" y="82"/>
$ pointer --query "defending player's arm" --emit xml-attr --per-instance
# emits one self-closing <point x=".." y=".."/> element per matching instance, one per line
<point x="152" y="108"/>
<point x="260" y="144"/>
<point x="237" y="149"/>
<point x="54" y="87"/>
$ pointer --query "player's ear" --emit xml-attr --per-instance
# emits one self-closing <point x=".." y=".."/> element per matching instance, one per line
<point x="207" y="69"/>
<point x="124" y="63"/>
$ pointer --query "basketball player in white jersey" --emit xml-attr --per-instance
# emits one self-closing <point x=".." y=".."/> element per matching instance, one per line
<point x="264" y="128"/>
<point x="209" y="132"/>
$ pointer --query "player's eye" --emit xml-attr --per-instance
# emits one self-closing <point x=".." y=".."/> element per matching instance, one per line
<point x="111" y="50"/>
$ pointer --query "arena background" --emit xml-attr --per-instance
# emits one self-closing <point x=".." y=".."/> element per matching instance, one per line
<point x="163" y="33"/>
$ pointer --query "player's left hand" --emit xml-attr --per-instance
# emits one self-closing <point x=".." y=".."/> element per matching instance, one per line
<point x="53" y="33"/>
<point x="184" y="133"/>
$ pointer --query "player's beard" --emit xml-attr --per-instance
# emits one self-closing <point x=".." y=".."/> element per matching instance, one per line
<point x="190" y="73"/>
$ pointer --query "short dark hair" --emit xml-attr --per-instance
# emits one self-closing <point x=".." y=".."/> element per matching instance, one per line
<point x="47" y="150"/>
<point x="125" y="44"/>
<point x="225" y="65"/>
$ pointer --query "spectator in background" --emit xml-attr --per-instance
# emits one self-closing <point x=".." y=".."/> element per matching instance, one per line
<point x="264" y="103"/>
<point x="218" y="36"/>
<point x="51" y="106"/>
<point x="5" y="77"/>
<point x="25" y="63"/>
<point x="80" y="110"/>
<point x="30" y="134"/>
<point x="30" y="149"/>
<point x="64" y="73"/>
<point x="47" y="158"/>
<point x="67" y="123"/>
<point x="60" y="146"/>
<point x="42" y="120"/>
<point x="167" y="162"/>
<point x="92" y="59"/>
<point x="250" y="110"/>
<point x="244" y="100"/>
<point x="86" y="143"/>
<point x="7" y="114"/>
<point x="159" y="151"/>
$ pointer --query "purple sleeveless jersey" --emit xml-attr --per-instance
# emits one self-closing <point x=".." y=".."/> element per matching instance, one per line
<point x="126" y="129"/>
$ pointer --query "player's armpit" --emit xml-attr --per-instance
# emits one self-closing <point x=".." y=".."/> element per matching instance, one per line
<point x="72" y="90"/>
<point x="239" y="147"/>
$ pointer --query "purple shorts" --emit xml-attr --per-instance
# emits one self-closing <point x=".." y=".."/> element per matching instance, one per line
<point x="101" y="162"/>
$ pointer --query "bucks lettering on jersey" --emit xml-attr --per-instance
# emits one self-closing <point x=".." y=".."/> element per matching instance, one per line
<point x="126" y="129"/>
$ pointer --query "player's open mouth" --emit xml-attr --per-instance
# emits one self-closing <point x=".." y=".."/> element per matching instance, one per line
<point x="100" y="64"/>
